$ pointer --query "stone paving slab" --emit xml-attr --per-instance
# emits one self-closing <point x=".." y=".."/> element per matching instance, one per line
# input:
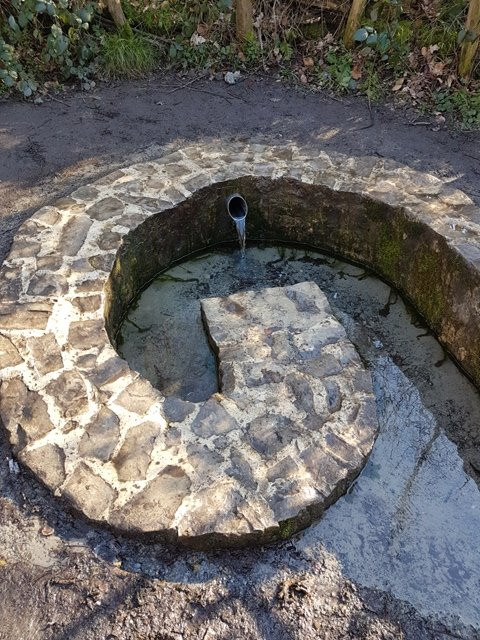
<point x="70" y="404"/>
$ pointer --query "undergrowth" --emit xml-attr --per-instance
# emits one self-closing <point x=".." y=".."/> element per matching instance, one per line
<point x="405" y="52"/>
<point x="128" y="55"/>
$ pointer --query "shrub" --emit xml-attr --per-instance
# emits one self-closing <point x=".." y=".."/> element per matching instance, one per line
<point x="45" y="39"/>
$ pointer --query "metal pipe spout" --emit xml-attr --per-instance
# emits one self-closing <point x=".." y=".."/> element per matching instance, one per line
<point x="237" y="207"/>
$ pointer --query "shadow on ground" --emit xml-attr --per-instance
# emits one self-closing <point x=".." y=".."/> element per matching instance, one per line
<point x="80" y="582"/>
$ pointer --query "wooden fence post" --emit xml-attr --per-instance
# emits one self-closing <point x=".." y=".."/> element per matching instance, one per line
<point x="116" y="11"/>
<point x="469" y="47"/>
<point x="244" y="13"/>
<point x="353" y="21"/>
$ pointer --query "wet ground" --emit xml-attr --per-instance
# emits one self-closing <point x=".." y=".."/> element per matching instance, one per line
<point x="410" y="523"/>
<point x="61" y="579"/>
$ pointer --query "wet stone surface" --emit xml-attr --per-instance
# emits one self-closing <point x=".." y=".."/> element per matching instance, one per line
<point x="59" y="370"/>
<point x="248" y="458"/>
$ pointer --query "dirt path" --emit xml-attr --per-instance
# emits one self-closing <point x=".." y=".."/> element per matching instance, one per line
<point x="48" y="150"/>
<point x="83" y="583"/>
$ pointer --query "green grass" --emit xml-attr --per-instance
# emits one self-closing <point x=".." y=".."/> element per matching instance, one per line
<point x="460" y="104"/>
<point x="128" y="55"/>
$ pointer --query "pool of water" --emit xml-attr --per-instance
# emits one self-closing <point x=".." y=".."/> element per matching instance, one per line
<point x="410" y="522"/>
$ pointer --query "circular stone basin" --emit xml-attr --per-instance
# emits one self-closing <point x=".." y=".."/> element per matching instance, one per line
<point x="101" y="437"/>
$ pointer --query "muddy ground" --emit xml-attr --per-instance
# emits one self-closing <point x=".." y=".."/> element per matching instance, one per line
<point x="79" y="582"/>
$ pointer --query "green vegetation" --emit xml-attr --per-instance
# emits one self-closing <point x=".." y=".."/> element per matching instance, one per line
<point x="409" y="53"/>
<point x="45" y="40"/>
<point x="460" y="104"/>
<point x="128" y="55"/>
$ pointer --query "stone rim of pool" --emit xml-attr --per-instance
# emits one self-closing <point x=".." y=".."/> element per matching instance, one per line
<point x="75" y="266"/>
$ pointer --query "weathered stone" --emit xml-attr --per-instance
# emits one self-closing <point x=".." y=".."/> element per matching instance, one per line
<point x="347" y="454"/>
<point x="69" y="205"/>
<point x="23" y="412"/>
<point x="154" y="508"/>
<point x="108" y="371"/>
<point x="284" y="469"/>
<point x="86" y="192"/>
<point x="197" y="182"/>
<point x="87" y="334"/>
<point x="102" y="262"/>
<point x="214" y="513"/>
<point x="87" y="361"/>
<point x="138" y="397"/>
<point x="10" y="284"/>
<point x="176" y="410"/>
<point x="212" y="420"/>
<point x="173" y="437"/>
<point x="73" y="235"/>
<point x="110" y="178"/>
<point x="297" y="503"/>
<point x="149" y="204"/>
<point x="46" y="353"/>
<point x="101" y="436"/>
<point x="9" y="356"/>
<point x="334" y="395"/>
<point x="90" y="285"/>
<point x="80" y="266"/>
<point x="47" y="462"/>
<point x="301" y="389"/>
<point x="32" y="315"/>
<point x="133" y="458"/>
<point x="203" y="460"/>
<point x="297" y="419"/>
<point x="70" y="393"/>
<point x="49" y="263"/>
<point x="269" y="434"/>
<point x="47" y="284"/>
<point x="326" y="471"/>
<point x="88" y="492"/>
<point x="109" y="240"/>
<point x="47" y="216"/>
<point x="87" y="304"/>
<point x="241" y="469"/>
<point x="105" y="209"/>
<point x="24" y="248"/>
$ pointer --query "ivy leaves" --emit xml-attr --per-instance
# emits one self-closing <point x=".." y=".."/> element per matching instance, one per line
<point x="51" y="32"/>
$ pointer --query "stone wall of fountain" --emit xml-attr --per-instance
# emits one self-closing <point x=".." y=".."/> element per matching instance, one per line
<point x="93" y="430"/>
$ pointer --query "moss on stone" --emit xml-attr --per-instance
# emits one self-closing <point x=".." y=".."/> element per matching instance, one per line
<point x="389" y="250"/>
<point x="287" y="528"/>
<point x="429" y="285"/>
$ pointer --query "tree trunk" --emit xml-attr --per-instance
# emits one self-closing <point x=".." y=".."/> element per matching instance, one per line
<point x="469" y="48"/>
<point x="353" y="21"/>
<point x="244" y="13"/>
<point x="116" y="11"/>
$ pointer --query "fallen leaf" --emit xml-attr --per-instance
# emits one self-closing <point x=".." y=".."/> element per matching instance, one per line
<point x="197" y="40"/>
<point x="437" y="68"/>
<point x="308" y="62"/>
<point x="398" y="84"/>
<point x="356" y="73"/>
<point x="303" y="78"/>
<point x="47" y="531"/>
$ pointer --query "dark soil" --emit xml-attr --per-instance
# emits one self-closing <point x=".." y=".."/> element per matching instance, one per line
<point x="83" y="583"/>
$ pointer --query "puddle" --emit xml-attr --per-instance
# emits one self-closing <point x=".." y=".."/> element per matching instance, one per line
<point x="410" y="523"/>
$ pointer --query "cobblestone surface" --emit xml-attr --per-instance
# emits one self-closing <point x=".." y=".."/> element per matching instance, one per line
<point x="59" y="371"/>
